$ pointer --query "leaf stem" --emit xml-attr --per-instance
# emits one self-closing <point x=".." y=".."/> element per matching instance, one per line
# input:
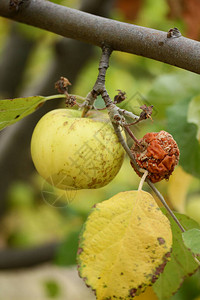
<point x="142" y="180"/>
<point x="55" y="97"/>
<point x="82" y="99"/>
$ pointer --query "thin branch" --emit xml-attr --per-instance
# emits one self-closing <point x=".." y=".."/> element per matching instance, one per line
<point x="124" y="144"/>
<point x="71" y="23"/>
<point x="161" y="198"/>
<point x="99" y="86"/>
<point x="132" y="135"/>
<point x="128" y="114"/>
<point x="103" y="66"/>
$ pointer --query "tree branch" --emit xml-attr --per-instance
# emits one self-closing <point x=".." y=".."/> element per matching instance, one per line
<point x="71" y="23"/>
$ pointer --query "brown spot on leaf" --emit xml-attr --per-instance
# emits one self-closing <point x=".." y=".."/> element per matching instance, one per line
<point x="154" y="278"/>
<point x="133" y="292"/>
<point x="160" y="268"/>
<point x="80" y="250"/>
<point x="84" y="279"/>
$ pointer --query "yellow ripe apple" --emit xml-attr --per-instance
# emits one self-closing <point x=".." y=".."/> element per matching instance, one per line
<point x="71" y="152"/>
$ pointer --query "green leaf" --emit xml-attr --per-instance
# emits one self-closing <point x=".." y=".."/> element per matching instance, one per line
<point x="191" y="239"/>
<point x="13" y="110"/>
<point x="168" y="89"/>
<point x="66" y="254"/>
<point x="194" y="114"/>
<point x="185" y="135"/>
<point x="182" y="263"/>
<point x="52" y="288"/>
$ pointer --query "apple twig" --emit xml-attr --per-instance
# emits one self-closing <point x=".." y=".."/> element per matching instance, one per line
<point x="99" y="86"/>
<point x="117" y="118"/>
<point x="128" y="114"/>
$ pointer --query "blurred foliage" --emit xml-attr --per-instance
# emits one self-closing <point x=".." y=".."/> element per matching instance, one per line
<point x="66" y="255"/>
<point x="32" y="219"/>
<point x="52" y="288"/>
<point x="186" y="136"/>
<point x="181" y="264"/>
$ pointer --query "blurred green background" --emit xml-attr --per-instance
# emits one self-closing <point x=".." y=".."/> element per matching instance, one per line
<point x="36" y="216"/>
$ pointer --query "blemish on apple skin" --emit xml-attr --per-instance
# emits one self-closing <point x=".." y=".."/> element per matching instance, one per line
<point x="161" y="241"/>
<point x="65" y="123"/>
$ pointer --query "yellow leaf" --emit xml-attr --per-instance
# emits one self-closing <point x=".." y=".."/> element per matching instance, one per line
<point x="124" y="245"/>
<point x="178" y="187"/>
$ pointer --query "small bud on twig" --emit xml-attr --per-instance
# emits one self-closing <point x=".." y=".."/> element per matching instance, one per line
<point x="146" y="112"/>
<point x="121" y="96"/>
<point x="173" y="33"/>
<point x="62" y="85"/>
<point x="15" y="4"/>
<point x="70" y="101"/>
